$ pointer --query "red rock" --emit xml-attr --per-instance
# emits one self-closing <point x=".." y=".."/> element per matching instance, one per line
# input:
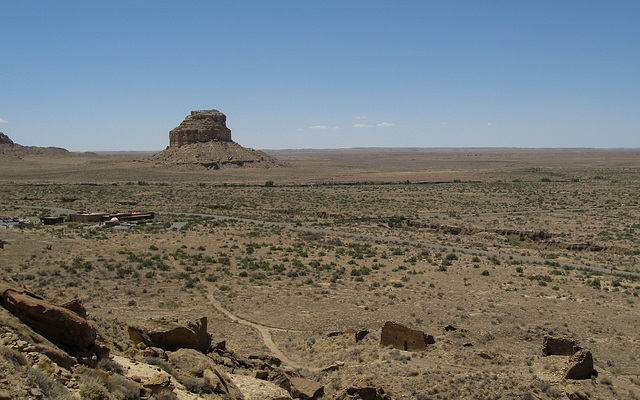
<point x="303" y="388"/>
<point x="171" y="336"/>
<point x="76" y="306"/>
<point x="53" y="322"/>
<point x="363" y="390"/>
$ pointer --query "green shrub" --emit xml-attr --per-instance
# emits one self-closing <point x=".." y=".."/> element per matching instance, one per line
<point x="198" y="386"/>
<point x="51" y="388"/>
<point x="93" y="391"/>
<point x="15" y="356"/>
<point x="107" y="364"/>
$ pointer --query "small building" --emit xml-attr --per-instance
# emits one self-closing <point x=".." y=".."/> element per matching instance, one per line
<point x="134" y="216"/>
<point x="104" y="217"/>
<point x="51" y="220"/>
<point x="89" y="217"/>
<point x="112" y="222"/>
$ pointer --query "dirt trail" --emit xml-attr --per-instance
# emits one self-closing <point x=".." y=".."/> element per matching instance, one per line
<point x="264" y="330"/>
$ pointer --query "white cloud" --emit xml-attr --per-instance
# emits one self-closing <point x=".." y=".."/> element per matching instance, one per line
<point x="2" y="121"/>
<point x="323" y="127"/>
<point x="362" y="126"/>
<point x="443" y="123"/>
<point x="363" y="117"/>
<point x="489" y="124"/>
<point x="386" y="124"/>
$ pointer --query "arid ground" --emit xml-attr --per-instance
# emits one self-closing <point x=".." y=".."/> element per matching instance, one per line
<point x="504" y="245"/>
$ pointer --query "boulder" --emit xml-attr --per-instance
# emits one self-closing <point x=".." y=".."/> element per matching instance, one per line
<point x="268" y="359"/>
<point x="76" y="306"/>
<point x="333" y="367"/>
<point x="363" y="390"/>
<point x="361" y="334"/>
<point x="190" y="361"/>
<point x="22" y="332"/>
<point x="580" y="365"/>
<point x="261" y="374"/>
<point x="450" y="328"/>
<point x="53" y="322"/>
<point x="560" y="345"/>
<point x="200" y="126"/>
<point x="302" y="388"/>
<point x="222" y="384"/>
<point x="256" y="389"/>
<point x="402" y="337"/>
<point x="170" y="335"/>
<point x="278" y="377"/>
<point x="158" y="383"/>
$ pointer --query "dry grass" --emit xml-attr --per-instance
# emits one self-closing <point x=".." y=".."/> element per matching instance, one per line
<point x="310" y="282"/>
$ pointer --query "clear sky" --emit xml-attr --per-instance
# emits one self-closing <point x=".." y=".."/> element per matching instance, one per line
<point x="118" y="75"/>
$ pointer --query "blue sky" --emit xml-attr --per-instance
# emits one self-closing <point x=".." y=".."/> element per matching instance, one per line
<point x="119" y="75"/>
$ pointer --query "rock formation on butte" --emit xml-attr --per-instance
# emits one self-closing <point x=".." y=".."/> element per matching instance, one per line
<point x="201" y="126"/>
<point x="203" y="140"/>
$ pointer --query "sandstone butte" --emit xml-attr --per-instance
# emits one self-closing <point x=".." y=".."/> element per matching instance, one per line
<point x="200" y="127"/>
<point x="202" y="140"/>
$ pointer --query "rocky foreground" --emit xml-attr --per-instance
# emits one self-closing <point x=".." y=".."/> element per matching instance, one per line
<point x="51" y="351"/>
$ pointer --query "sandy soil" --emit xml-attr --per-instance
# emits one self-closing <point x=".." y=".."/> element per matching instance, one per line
<point x="553" y="206"/>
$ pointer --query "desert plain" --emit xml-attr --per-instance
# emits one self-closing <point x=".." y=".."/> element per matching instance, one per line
<point x="501" y="246"/>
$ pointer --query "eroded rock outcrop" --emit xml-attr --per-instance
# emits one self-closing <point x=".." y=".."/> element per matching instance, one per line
<point x="6" y="141"/>
<point x="200" y="127"/>
<point x="203" y="141"/>
<point x="363" y="390"/>
<point x="10" y="148"/>
<point x="170" y="335"/>
<point x="191" y="361"/>
<point x="402" y="337"/>
<point x="53" y="322"/>
<point x="257" y="389"/>
<point x="303" y="388"/>
<point x="76" y="306"/>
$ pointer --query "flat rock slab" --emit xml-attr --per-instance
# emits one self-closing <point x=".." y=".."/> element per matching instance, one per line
<point x="53" y="322"/>
<point x="170" y="335"/>
<point x="303" y="388"/>
<point x="256" y="389"/>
